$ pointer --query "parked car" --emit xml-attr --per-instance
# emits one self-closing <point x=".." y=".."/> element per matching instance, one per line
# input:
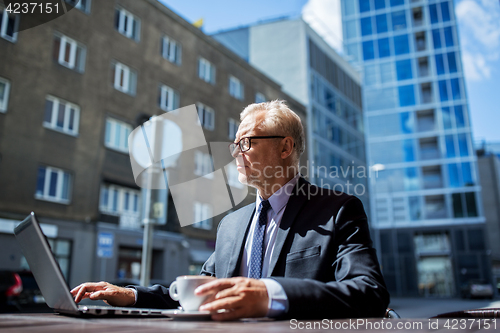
<point x="477" y="289"/>
<point x="19" y="292"/>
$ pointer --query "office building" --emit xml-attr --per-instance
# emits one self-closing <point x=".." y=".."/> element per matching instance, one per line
<point x="425" y="194"/>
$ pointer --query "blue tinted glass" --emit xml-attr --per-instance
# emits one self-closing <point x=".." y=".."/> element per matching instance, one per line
<point x="453" y="175"/>
<point x="409" y="154"/>
<point x="115" y="201"/>
<point x="381" y="21"/>
<point x="467" y="174"/>
<point x="459" y="116"/>
<point x="136" y="202"/>
<point x="403" y="69"/>
<point x="397" y="2"/>
<point x="443" y="91"/>
<point x="398" y="20"/>
<point x="368" y="52"/>
<point x="452" y="62"/>
<point x="415" y="209"/>
<point x="364" y="5"/>
<point x="434" y="13"/>
<point x="455" y="88"/>
<point x="384" y="50"/>
<point x="379" y="4"/>
<point x="406" y="95"/>
<point x="411" y="179"/>
<point x="436" y="38"/>
<point x="463" y="145"/>
<point x="445" y="112"/>
<point x="406" y="123"/>
<point x="445" y="11"/>
<point x="439" y="64"/>
<point x="450" y="146"/>
<point x="401" y="45"/>
<point x="65" y="186"/>
<point x="53" y="184"/>
<point x="104" y="197"/>
<point x="40" y="182"/>
<point x="448" y="36"/>
<point x="366" y="26"/>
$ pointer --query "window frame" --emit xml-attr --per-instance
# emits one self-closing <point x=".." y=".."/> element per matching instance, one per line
<point x="203" y="210"/>
<point x="108" y="207"/>
<point x="167" y="43"/>
<point x="236" y="88"/>
<point x="68" y="106"/>
<point x="3" y="27"/>
<point x="233" y="125"/>
<point x="206" y="70"/>
<point x="4" y="101"/>
<point x="203" y="165"/>
<point x="78" y="5"/>
<point x="45" y="195"/>
<point x="203" y="110"/>
<point x="76" y="63"/>
<point x="127" y="31"/>
<point x="165" y="93"/>
<point x="129" y="85"/>
<point x="111" y="144"/>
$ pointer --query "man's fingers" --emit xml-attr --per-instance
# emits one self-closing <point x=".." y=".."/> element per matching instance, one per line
<point x="214" y="286"/>
<point x="227" y="303"/>
<point x="229" y="315"/>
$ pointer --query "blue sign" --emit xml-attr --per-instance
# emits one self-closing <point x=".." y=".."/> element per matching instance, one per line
<point x="105" y="242"/>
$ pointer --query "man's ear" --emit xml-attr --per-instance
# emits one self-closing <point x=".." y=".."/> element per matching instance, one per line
<point x="287" y="147"/>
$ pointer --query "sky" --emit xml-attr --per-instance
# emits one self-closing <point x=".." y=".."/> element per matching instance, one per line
<point x="478" y="25"/>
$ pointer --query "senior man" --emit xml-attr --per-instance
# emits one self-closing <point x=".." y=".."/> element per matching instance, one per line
<point x="298" y="252"/>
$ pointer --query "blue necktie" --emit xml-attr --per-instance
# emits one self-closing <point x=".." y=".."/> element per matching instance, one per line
<point x="257" y="254"/>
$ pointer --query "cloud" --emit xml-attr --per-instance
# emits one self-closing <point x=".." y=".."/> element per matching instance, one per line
<point x="325" y="18"/>
<point x="479" y="36"/>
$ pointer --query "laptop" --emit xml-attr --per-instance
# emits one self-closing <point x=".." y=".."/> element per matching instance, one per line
<point x="51" y="281"/>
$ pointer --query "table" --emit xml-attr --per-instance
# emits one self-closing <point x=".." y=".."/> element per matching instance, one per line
<point x="48" y="322"/>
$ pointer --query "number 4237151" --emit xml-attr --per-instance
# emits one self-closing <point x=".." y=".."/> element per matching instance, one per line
<point x="32" y="8"/>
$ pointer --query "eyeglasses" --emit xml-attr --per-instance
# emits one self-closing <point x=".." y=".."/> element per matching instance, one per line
<point x="246" y="143"/>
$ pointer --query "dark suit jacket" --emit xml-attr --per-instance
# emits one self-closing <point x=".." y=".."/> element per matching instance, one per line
<point x="323" y="257"/>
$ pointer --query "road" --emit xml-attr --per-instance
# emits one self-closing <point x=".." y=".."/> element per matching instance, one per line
<point x="427" y="307"/>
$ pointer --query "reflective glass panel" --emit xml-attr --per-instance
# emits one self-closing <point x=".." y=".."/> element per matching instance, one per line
<point x="455" y="89"/>
<point x="364" y="5"/>
<point x="458" y="210"/>
<point x="409" y="154"/>
<point x="381" y="21"/>
<point x="366" y="26"/>
<point x="350" y="29"/>
<point x="470" y="201"/>
<point x="452" y="62"/>
<point x="436" y="38"/>
<point x="411" y="179"/>
<point x="387" y="72"/>
<point x="440" y="64"/>
<point x="415" y="209"/>
<point x="379" y="4"/>
<point x="384" y="49"/>
<point x="406" y="95"/>
<point x="397" y="2"/>
<point x="467" y="174"/>
<point x="398" y="20"/>
<point x="348" y="7"/>
<point x="445" y="11"/>
<point x="453" y="179"/>
<point x="448" y="36"/>
<point x="403" y="69"/>
<point x="443" y="90"/>
<point x="407" y="125"/>
<point x="446" y="115"/>
<point x="434" y="14"/>
<point x="368" y="51"/>
<point x="463" y="145"/>
<point x="459" y="116"/>
<point x="401" y="45"/>
<point x="450" y="146"/>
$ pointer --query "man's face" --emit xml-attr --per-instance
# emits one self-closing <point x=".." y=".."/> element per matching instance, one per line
<point x="256" y="166"/>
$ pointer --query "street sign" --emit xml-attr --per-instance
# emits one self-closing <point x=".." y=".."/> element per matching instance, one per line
<point x="105" y="242"/>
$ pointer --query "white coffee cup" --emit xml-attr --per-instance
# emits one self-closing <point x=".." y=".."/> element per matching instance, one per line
<point x="182" y="290"/>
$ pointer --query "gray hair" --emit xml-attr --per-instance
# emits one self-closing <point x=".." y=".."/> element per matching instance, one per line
<point x="282" y="119"/>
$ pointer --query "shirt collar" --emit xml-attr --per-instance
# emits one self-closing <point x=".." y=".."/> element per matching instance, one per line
<point x="279" y="199"/>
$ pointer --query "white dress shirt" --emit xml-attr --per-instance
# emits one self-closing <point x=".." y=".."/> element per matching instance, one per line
<point x="278" y="302"/>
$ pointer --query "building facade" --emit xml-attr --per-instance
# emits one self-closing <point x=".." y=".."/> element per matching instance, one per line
<point x="71" y="91"/>
<point x="425" y="192"/>
<point x="294" y="55"/>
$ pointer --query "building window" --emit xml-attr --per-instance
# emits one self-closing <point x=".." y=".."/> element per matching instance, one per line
<point x="116" y="136"/>
<point x="206" y="71"/>
<point x="8" y="25"/>
<point x="69" y="53"/>
<point x="4" y="94"/>
<point x="169" y="98"/>
<point x="236" y="88"/>
<point x="203" y="214"/>
<point x="83" y="5"/>
<point x="232" y="176"/>
<point x="203" y="165"/>
<point x="127" y="24"/>
<point x="61" y="115"/>
<point x="260" y="98"/>
<point x="464" y="204"/>
<point x="171" y="50"/>
<point x="53" y="185"/>
<point x="206" y="116"/>
<point x="119" y="200"/>
<point x="124" y="78"/>
<point x="232" y="128"/>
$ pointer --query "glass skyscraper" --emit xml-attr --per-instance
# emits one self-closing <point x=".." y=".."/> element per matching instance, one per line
<point x="426" y="206"/>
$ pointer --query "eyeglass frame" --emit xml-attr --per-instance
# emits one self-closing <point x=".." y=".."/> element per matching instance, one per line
<point x="238" y="144"/>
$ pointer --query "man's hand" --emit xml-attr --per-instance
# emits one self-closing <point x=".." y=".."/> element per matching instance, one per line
<point x="109" y="293"/>
<point x="240" y="297"/>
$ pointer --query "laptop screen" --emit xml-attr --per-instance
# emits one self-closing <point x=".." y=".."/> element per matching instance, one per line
<point x="43" y="265"/>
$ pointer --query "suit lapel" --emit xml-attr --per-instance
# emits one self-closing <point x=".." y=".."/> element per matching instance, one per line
<point x="240" y="231"/>
<point x="292" y="209"/>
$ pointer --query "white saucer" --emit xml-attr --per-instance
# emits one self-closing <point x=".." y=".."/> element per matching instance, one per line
<point x="187" y="315"/>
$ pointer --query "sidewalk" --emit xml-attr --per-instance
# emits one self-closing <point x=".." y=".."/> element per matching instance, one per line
<point x="428" y="307"/>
